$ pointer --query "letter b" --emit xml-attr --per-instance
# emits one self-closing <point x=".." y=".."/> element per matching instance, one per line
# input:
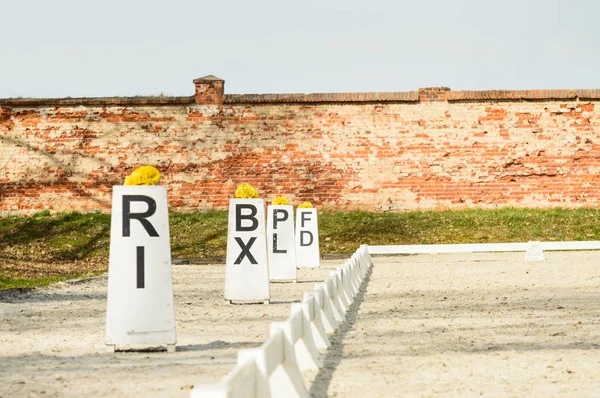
<point x="239" y="217"/>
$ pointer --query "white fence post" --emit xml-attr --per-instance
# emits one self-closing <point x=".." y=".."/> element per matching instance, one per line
<point x="325" y="316"/>
<point x="340" y="295"/>
<point x="356" y="273"/>
<point x="348" y="291"/>
<point x="291" y="381"/>
<point x="261" y="375"/>
<point x="318" y="329"/>
<point x="240" y="383"/>
<point x="307" y="353"/>
<point x="331" y="300"/>
<point x="352" y="280"/>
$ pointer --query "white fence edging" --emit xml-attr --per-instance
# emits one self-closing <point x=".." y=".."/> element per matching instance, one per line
<point x="481" y="247"/>
<point x="296" y="344"/>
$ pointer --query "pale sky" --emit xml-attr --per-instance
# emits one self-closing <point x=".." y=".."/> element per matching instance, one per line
<point x="81" y="48"/>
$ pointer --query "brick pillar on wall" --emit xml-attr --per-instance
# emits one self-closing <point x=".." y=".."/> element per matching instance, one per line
<point x="433" y="94"/>
<point x="210" y="90"/>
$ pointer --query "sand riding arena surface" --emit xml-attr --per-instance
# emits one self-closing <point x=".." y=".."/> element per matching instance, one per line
<point x="425" y="325"/>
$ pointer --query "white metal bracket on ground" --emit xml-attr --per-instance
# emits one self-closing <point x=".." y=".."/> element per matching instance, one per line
<point x="534" y="251"/>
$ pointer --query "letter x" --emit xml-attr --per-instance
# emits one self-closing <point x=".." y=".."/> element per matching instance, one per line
<point x="245" y="251"/>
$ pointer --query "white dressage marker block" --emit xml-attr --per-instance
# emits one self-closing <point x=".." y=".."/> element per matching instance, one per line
<point x="534" y="251"/>
<point x="281" y="249"/>
<point x="246" y="269"/>
<point x="307" y="239"/>
<point x="140" y="288"/>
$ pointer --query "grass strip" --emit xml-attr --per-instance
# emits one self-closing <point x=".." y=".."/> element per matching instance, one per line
<point x="46" y="247"/>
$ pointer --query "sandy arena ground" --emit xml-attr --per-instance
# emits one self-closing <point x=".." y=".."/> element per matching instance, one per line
<point x="52" y="340"/>
<point x="426" y="325"/>
<point x="471" y="325"/>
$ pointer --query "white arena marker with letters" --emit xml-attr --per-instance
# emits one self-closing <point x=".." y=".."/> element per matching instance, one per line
<point x="246" y="268"/>
<point x="140" y="287"/>
<point x="280" y="241"/>
<point x="307" y="239"/>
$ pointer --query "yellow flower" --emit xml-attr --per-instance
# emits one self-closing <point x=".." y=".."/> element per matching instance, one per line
<point x="246" y="191"/>
<point x="148" y="174"/>
<point x="144" y="175"/>
<point x="280" y="200"/>
<point x="132" y="180"/>
<point x="305" y="205"/>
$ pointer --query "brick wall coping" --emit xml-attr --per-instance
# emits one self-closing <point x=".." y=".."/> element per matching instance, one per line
<point x="500" y="95"/>
<point x="401" y="96"/>
<point x="406" y="96"/>
<point x="162" y="100"/>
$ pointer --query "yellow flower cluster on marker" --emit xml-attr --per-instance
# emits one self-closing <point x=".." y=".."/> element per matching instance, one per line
<point x="246" y="191"/>
<point x="305" y="205"/>
<point x="144" y="175"/>
<point x="280" y="200"/>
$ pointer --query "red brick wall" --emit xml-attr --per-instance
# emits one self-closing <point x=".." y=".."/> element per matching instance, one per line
<point x="432" y="148"/>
